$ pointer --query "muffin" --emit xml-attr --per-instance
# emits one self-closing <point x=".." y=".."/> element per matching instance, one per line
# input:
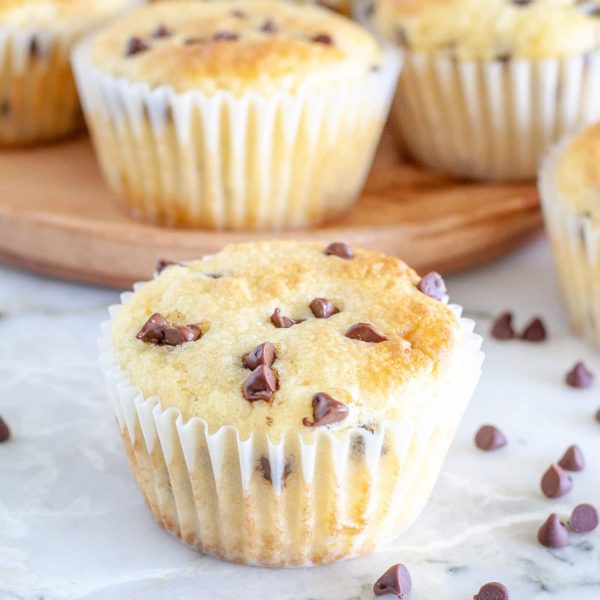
<point x="488" y="86"/>
<point x="344" y="7"/>
<point x="38" y="98"/>
<point x="287" y="403"/>
<point x="569" y="187"/>
<point x="235" y="115"/>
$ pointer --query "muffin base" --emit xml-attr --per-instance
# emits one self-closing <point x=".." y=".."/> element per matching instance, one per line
<point x="329" y="495"/>
<point x="219" y="161"/>
<point x="575" y="246"/>
<point x="492" y="120"/>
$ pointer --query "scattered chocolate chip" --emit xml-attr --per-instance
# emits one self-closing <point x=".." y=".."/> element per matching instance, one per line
<point x="339" y="249"/>
<point x="502" y="329"/>
<point x="432" y="285"/>
<point x="135" y="45"/>
<point x="34" y="48"/>
<point x="269" y="26"/>
<point x="4" y="107"/>
<point x="264" y="468"/>
<point x="264" y="354"/>
<point x="556" y="483"/>
<point x="522" y="2"/>
<point x="492" y="591"/>
<point x="584" y="519"/>
<point x="597" y="416"/>
<point x="161" y="31"/>
<point x="4" y="431"/>
<point x="504" y="57"/>
<point x="322" y="38"/>
<point x="213" y="275"/>
<point x="282" y="322"/>
<point x="157" y="330"/>
<point x="225" y="36"/>
<point x="365" y="333"/>
<point x="326" y="410"/>
<point x="579" y="376"/>
<point x="194" y="40"/>
<point x="238" y="14"/>
<point x="553" y="534"/>
<point x="162" y="264"/>
<point x="572" y="459"/>
<point x="535" y="331"/>
<point x="260" y="385"/>
<point x="402" y="38"/>
<point x="323" y="308"/>
<point x="396" y="581"/>
<point x="489" y="438"/>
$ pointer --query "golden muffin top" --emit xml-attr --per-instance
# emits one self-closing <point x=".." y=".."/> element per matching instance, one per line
<point x="577" y="173"/>
<point x="286" y="336"/>
<point x="53" y="13"/>
<point x="492" y="29"/>
<point x="264" y="45"/>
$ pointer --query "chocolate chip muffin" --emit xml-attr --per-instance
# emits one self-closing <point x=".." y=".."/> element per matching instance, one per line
<point x="38" y="99"/>
<point x="570" y="191"/>
<point x="235" y="115"/>
<point x="288" y="403"/>
<point x="488" y="86"/>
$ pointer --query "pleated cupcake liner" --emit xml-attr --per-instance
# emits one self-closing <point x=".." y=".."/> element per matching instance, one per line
<point x="298" y="500"/>
<point x="221" y="161"/>
<point x="494" y="119"/>
<point x="575" y="242"/>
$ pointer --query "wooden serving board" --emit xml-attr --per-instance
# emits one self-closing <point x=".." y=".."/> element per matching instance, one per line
<point x="58" y="218"/>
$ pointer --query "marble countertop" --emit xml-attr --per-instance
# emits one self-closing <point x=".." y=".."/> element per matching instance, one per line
<point x="73" y="525"/>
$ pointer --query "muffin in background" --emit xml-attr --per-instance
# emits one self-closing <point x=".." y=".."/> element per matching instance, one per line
<point x="344" y="7"/>
<point x="38" y="98"/>
<point x="235" y="115"/>
<point x="489" y="85"/>
<point x="569" y="187"/>
<point x="287" y="403"/>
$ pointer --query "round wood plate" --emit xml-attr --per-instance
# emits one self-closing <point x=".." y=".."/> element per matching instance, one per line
<point x="58" y="218"/>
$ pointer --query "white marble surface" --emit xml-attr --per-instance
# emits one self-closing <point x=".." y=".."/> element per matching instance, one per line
<point x="72" y="524"/>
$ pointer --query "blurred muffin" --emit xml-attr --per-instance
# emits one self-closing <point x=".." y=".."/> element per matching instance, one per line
<point x="570" y="191"/>
<point x="285" y="403"/>
<point x="38" y="99"/>
<point x="235" y="115"/>
<point x="488" y="86"/>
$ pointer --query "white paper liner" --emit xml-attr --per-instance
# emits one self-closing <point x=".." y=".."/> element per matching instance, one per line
<point x="220" y="161"/>
<point x="575" y="243"/>
<point x="492" y="120"/>
<point x="344" y="493"/>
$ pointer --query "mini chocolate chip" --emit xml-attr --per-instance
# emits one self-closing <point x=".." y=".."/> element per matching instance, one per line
<point x="322" y="38"/>
<point x="504" y="57"/>
<point x="432" y="285"/>
<point x="34" y="48"/>
<point x="282" y="322"/>
<point x="264" y="468"/>
<point x="396" y="581"/>
<point x="157" y="330"/>
<point x="402" y="38"/>
<point x="535" y="331"/>
<point x="4" y="431"/>
<point x="194" y="40"/>
<point x="323" y="308"/>
<point x="260" y="385"/>
<point x="225" y="36"/>
<point x="269" y="26"/>
<point x="161" y="31"/>
<point x="579" y="376"/>
<point x="326" y="410"/>
<point x="4" y="108"/>
<point x="492" y="591"/>
<point x="572" y="459"/>
<point x="522" y="2"/>
<point x="238" y="14"/>
<point x="553" y="534"/>
<point x="584" y="519"/>
<point x="135" y="45"/>
<point x="489" y="438"/>
<point x="556" y="482"/>
<point x="162" y="264"/>
<point x="339" y="249"/>
<point x="502" y="329"/>
<point x="365" y="333"/>
<point x="264" y="354"/>
<point x="597" y="416"/>
<point x="213" y="275"/>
